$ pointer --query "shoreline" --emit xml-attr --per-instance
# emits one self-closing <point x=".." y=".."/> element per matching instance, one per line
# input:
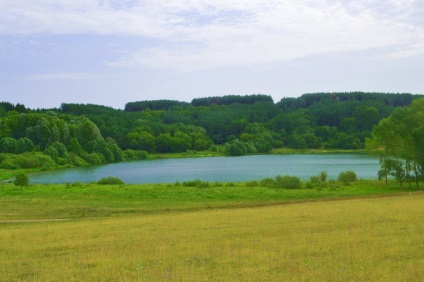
<point x="8" y="175"/>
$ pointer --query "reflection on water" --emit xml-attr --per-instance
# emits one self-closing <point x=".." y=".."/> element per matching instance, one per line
<point x="219" y="169"/>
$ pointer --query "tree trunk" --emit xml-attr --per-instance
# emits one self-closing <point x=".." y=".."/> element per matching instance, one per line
<point x="416" y="176"/>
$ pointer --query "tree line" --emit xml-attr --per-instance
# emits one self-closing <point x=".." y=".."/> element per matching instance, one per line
<point x="76" y="134"/>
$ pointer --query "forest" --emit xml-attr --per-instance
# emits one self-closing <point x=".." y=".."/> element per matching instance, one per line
<point x="79" y="134"/>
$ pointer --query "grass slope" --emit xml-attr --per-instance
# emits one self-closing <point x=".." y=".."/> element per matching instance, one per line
<point x="376" y="239"/>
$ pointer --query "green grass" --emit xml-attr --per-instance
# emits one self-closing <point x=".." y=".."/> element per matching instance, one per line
<point x="92" y="200"/>
<point x="286" y="150"/>
<point x="188" y="154"/>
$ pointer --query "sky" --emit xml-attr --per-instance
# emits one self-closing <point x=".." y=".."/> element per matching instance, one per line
<point x="110" y="52"/>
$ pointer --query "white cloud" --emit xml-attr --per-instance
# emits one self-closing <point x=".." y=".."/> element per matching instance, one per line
<point x="205" y="34"/>
<point x="65" y="76"/>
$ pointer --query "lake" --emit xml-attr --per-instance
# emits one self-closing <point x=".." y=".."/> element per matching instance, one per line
<point x="222" y="169"/>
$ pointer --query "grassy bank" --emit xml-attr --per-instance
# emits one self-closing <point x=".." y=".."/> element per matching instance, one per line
<point x="376" y="239"/>
<point x="81" y="200"/>
<point x="317" y="151"/>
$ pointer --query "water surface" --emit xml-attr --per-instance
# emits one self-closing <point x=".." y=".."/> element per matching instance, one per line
<point x="223" y="169"/>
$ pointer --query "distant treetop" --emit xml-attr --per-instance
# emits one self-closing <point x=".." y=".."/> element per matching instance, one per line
<point x="231" y="99"/>
<point x="8" y="107"/>
<point x="84" y="109"/>
<point x="154" y="105"/>
<point x="309" y="99"/>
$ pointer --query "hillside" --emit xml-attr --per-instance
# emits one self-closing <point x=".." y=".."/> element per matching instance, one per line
<point x="76" y="134"/>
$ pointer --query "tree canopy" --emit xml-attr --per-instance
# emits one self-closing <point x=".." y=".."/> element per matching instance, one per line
<point x="398" y="140"/>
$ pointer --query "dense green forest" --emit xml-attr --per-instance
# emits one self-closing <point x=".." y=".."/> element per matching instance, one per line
<point x="77" y="134"/>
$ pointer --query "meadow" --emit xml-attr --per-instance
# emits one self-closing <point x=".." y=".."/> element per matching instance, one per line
<point x="81" y="200"/>
<point x="367" y="239"/>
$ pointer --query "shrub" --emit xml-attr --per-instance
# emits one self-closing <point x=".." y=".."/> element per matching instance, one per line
<point x="315" y="179"/>
<point x="191" y="183"/>
<point x="75" y="160"/>
<point x="268" y="182"/>
<point x="129" y="155"/>
<point x="333" y="184"/>
<point x="44" y="168"/>
<point x="202" y="184"/>
<point x="94" y="158"/>
<point x="77" y="184"/>
<point x="135" y="155"/>
<point x="62" y="161"/>
<point x="27" y="161"/>
<point x="235" y="148"/>
<point x="309" y="185"/>
<point x="347" y="176"/>
<point x="46" y="161"/>
<point x="287" y="182"/>
<point x="141" y="155"/>
<point x="52" y="152"/>
<point x="252" y="184"/>
<point x="9" y="164"/>
<point x="21" y="180"/>
<point x="110" y="181"/>
<point x="323" y="176"/>
<point x="196" y="183"/>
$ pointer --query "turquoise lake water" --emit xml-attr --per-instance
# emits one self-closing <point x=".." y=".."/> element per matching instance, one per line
<point x="222" y="169"/>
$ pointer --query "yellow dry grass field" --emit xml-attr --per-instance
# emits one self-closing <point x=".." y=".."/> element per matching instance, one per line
<point x="378" y="239"/>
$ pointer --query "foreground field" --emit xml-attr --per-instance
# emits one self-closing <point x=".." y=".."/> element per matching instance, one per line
<point x="344" y="240"/>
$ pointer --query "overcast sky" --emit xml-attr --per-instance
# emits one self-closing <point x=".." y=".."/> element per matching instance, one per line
<point x="111" y="52"/>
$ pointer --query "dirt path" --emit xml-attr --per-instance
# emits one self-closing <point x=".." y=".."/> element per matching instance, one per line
<point x="32" y="220"/>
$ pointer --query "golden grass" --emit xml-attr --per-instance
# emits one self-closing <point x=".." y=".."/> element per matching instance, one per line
<point x="347" y="240"/>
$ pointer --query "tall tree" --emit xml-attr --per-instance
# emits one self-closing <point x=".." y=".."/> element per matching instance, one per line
<point x="397" y="139"/>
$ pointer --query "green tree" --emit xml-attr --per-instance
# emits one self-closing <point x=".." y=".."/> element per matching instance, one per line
<point x="9" y="145"/>
<point x="21" y="180"/>
<point x="397" y="139"/>
<point x="347" y="176"/>
<point x="164" y="143"/>
<point x="397" y="170"/>
<point x="87" y="131"/>
<point x="25" y="145"/>
<point x="366" y="117"/>
<point x="235" y="148"/>
<point x="52" y="152"/>
<point x="75" y="147"/>
<point x="181" y="142"/>
<point x="141" y="141"/>
<point x="60" y="148"/>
